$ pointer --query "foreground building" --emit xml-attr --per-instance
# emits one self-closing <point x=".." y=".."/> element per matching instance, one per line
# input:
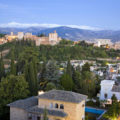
<point x="60" y="105"/>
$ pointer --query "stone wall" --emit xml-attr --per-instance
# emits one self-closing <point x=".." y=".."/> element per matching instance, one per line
<point x="17" y="114"/>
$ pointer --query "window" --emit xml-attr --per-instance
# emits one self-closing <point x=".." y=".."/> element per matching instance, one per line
<point x="83" y="118"/>
<point x="105" y="95"/>
<point x="83" y="105"/>
<point x="61" y="106"/>
<point x="56" y="105"/>
<point x="38" y="118"/>
<point x="51" y="105"/>
<point x="29" y="116"/>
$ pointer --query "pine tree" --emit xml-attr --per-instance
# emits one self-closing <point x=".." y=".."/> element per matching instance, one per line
<point x="52" y="73"/>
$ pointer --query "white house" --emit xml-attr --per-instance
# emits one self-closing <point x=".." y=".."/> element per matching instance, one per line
<point x="108" y="89"/>
<point x="114" y="76"/>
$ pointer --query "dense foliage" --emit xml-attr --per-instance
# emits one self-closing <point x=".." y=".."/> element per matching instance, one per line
<point x="11" y="88"/>
<point x="2" y="35"/>
<point x="38" y="68"/>
<point x="63" y="51"/>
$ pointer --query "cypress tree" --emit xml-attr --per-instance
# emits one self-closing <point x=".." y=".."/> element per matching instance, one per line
<point x="30" y="72"/>
<point x="35" y="75"/>
<point x="76" y="76"/>
<point x="69" y="68"/>
<point x="42" y="79"/>
<point x="26" y="71"/>
<point x="12" y="67"/>
<point x="66" y="82"/>
<point x="2" y="69"/>
<point x="45" y="114"/>
<point x="32" y="79"/>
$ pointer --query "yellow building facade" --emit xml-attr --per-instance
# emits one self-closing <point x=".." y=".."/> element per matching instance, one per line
<point x="59" y="105"/>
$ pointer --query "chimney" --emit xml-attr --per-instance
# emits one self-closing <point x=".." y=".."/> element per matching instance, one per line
<point x="40" y="92"/>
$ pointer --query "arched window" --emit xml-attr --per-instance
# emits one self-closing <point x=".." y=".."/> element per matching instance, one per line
<point x="83" y="105"/>
<point x="51" y="105"/>
<point x="56" y="105"/>
<point x="61" y="106"/>
<point x="29" y="116"/>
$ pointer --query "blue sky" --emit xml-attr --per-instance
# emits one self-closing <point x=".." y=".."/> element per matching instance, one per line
<point x="104" y="14"/>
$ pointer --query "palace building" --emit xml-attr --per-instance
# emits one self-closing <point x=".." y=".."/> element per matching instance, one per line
<point x="51" y="39"/>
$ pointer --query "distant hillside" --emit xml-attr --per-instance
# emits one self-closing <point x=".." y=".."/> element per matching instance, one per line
<point x="69" y="33"/>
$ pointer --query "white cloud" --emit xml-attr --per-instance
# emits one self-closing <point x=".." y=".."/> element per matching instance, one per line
<point x="26" y="25"/>
<point x="83" y="27"/>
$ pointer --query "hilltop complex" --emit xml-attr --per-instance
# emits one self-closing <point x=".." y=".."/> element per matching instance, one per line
<point x="51" y="39"/>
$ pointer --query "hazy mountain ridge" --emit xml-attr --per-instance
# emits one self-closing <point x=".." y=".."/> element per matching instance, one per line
<point x="69" y="33"/>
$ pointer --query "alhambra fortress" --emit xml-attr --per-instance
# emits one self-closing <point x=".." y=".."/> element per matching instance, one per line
<point x="51" y="39"/>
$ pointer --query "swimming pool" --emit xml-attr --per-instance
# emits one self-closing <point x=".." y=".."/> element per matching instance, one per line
<point x="94" y="110"/>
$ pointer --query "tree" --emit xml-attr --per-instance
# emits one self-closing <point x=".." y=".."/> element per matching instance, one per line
<point x="31" y="77"/>
<point x="42" y="80"/>
<point x="35" y="75"/>
<point x="114" y="98"/>
<point x="66" y="42"/>
<point x="12" y="88"/>
<point x="52" y="73"/>
<point x="2" y="69"/>
<point x="88" y="84"/>
<point x="50" y="86"/>
<point x="2" y="35"/>
<point x="66" y="82"/>
<point x="77" y="80"/>
<point x="12" y="66"/>
<point x="86" y="67"/>
<point x="112" y="113"/>
<point x="69" y="68"/>
<point x="41" y="35"/>
<point x="45" y="114"/>
<point x="29" y="54"/>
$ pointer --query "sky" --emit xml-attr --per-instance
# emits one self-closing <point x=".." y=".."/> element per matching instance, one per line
<point x="88" y="14"/>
